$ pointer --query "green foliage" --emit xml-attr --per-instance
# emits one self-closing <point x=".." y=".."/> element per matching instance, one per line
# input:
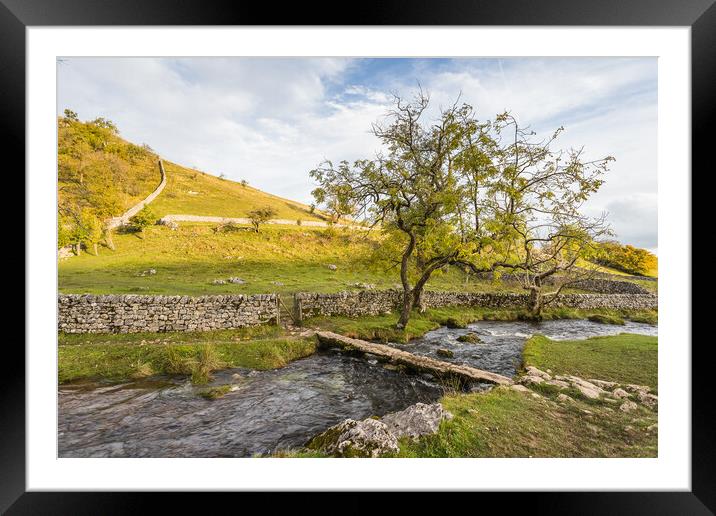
<point x="99" y="175"/>
<point x="626" y="258"/>
<point x="260" y="216"/>
<point x="142" y="220"/>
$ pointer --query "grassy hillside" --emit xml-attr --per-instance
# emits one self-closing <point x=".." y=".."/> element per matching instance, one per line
<point x="278" y="259"/>
<point x="99" y="171"/>
<point x="190" y="192"/>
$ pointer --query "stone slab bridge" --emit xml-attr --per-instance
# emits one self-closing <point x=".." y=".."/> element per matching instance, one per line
<point x="411" y="361"/>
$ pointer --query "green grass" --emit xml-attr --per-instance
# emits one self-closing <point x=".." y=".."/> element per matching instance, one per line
<point x="505" y="423"/>
<point x="189" y="259"/>
<point x="220" y="197"/>
<point x="120" y="357"/>
<point x="624" y="358"/>
<point x="382" y="327"/>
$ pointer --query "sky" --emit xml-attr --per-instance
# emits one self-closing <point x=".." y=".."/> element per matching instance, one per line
<point x="271" y="120"/>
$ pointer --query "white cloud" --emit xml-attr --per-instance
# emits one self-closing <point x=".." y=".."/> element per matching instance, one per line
<point x="271" y="120"/>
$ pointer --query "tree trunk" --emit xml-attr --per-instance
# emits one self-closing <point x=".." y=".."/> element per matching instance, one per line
<point x="418" y="298"/>
<point x="405" y="310"/>
<point x="407" y="291"/>
<point x="536" y="302"/>
<point x="96" y="251"/>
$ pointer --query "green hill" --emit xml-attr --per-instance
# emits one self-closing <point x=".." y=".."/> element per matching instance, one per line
<point x="102" y="175"/>
<point x="190" y="192"/>
<point x="98" y="172"/>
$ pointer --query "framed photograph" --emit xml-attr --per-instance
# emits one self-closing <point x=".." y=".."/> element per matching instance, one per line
<point x="433" y="250"/>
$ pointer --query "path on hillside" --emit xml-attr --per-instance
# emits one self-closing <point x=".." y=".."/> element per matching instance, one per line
<point x="244" y="220"/>
<point x="115" y="222"/>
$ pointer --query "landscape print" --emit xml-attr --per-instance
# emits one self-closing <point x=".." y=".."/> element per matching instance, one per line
<point x="329" y="257"/>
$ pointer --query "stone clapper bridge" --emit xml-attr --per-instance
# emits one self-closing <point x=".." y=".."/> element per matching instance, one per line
<point x="419" y="363"/>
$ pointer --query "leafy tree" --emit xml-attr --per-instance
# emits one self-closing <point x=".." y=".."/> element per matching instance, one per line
<point x="260" y="216"/>
<point x="412" y="191"/>
<point x="536" y="201"/>
<point x="625" y="258"/>
<point x="71" y="115"/>
<point x="143" y="219"/>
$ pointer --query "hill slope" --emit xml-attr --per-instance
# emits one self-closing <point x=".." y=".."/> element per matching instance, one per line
<point x="190" y="192"/>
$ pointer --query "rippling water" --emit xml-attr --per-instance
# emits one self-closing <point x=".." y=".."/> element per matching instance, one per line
<point x="270" y="410"/>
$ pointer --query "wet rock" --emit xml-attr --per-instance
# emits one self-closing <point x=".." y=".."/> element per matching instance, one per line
<point x="367" y="438"/>
<point x="470" y="338"/>
<point x="416" y="420"/>
<point x="628" y="406"/>
<point x="445" y="353"/>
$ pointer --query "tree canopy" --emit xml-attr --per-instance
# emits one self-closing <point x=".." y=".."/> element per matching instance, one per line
<point x="482" y="195"/>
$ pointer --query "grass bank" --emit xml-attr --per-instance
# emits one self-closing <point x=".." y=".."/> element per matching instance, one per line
<point x="506" y="423"/>
<point x="382" y="327"/>
<point x="624" y="358"/>
<point x="132" y="356"/>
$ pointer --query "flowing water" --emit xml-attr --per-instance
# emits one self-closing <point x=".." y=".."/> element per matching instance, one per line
<point x="283" y="408"/>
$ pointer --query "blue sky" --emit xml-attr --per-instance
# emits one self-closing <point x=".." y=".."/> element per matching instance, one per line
<point x="270" y="120"/>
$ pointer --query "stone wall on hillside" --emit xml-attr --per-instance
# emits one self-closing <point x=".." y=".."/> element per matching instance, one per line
<point x="80" y="313"/>
<point x="603" y="285"/>
<point x="375" y="302"/>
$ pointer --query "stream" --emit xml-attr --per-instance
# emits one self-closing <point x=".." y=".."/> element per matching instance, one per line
<point x="281" y="408"/>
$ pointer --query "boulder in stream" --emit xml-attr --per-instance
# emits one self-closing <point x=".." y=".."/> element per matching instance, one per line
<point x="442" y="352"/>
<point x="470" y="338"/>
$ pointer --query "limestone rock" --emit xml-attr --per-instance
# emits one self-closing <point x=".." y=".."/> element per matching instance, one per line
<point x="367" y="438"/>
<point x="519" y="388"/>
<point x="620" y="393"/>
<point x="628" y="406"/>
<point x="603" y="383"/>
<point x="650" y="400"/>
<point x="564" y="398"/>
<point x="416" y="420"/>
<point x="332" y="267"/>
<point x="533" y="371"/>
<point x="237" y="281"/>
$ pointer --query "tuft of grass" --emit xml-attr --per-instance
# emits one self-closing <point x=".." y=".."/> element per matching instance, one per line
<point x="624" y="358"/>
<point x="606" y="319"/>
<point x="119" y="357"/>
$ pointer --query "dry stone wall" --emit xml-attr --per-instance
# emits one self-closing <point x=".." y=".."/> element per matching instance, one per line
<point x="80" y="313"/>
<point x="376" y="302"/>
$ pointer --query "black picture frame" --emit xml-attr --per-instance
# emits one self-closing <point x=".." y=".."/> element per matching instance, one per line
<point x="700" y="15"/>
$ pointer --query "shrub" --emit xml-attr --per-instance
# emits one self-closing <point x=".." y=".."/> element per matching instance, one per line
<point x="143" y="219"/>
